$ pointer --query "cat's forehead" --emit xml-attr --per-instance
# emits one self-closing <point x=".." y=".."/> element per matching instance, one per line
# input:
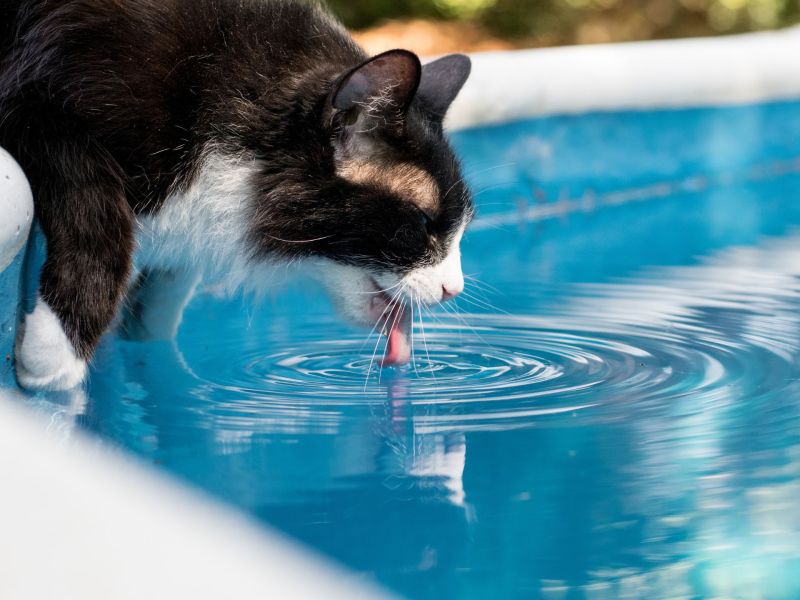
<point x="418" y="168"/>
<point x="403" y="179"/>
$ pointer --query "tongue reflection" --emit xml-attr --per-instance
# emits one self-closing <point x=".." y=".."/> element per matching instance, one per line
<point x="398" y="333"/>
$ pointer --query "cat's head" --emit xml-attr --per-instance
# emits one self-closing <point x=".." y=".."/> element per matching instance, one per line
<point x="384" y="224"/>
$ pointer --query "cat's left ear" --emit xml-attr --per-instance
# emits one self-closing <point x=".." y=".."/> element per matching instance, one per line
<point x="386" y="83"/>
<point x="441" y="81"/>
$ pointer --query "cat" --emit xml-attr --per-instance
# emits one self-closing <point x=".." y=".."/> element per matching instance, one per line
<point x="166" y="140"/>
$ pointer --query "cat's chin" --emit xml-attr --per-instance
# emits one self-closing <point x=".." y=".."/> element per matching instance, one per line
<point x="362" y="300"/>
<point x="393" y="318"/>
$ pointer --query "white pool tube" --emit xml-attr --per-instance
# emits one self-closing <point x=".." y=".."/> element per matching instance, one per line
<point x="737" y="69"/>
<point x="80" y="521"/>
<point x="16" y="209"/>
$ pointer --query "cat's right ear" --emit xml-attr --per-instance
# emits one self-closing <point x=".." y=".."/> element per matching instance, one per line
<point x="441" y="81"/>
<point x="381" y="87"/>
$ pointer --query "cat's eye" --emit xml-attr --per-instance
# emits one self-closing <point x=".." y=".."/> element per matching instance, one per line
<point x="427" y="222"/>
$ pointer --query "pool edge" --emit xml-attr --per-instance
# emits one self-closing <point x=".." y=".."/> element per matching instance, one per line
<point x="680" y="73"/>
<point x="93" y="523"/>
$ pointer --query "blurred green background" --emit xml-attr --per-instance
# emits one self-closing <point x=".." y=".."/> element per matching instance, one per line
<point x="554" y="22"/>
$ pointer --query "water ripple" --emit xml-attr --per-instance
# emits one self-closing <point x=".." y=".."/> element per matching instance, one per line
<point x="500" y="369"/>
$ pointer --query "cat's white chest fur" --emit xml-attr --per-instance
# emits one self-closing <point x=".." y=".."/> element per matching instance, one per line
<point x="204" y="229"/>
<point x="205" y="232"/>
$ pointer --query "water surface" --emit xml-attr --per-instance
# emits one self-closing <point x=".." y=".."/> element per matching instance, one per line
<point x="612" y="411"/>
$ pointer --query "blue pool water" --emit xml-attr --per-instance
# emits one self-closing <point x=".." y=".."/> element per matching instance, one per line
<point x="612" y="411"/>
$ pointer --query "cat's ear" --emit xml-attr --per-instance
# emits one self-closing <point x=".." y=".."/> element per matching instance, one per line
<point x="441" y="81"/>
<point x="385" y="83"/>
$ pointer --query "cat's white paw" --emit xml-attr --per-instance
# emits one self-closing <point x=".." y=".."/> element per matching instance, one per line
<point x="45" y="358"/>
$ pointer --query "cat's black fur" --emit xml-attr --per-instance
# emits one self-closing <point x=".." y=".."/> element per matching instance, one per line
<point x="111" y="105"/>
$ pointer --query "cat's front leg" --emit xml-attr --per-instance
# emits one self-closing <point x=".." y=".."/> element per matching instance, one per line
<point x="89" y="229"/>
<point x="45" y="357"/>
<point x="155" y="303"/>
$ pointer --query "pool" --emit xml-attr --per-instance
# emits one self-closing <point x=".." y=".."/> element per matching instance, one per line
<point x="612" y="410"/>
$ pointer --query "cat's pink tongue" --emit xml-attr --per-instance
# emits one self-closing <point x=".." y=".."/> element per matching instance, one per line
<point x="398" y="344"/>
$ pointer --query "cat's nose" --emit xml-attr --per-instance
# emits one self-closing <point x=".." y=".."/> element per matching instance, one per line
<point x="451" y="291"/>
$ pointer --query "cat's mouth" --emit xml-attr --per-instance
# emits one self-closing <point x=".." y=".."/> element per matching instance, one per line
<point x="394" y="321"/>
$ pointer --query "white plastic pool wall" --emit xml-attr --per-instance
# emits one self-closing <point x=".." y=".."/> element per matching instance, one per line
<point x="80" y="521"/>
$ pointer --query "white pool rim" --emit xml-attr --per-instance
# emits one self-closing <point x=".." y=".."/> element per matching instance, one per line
<point x="738" y="69"/>
<point x="16" y="209"/>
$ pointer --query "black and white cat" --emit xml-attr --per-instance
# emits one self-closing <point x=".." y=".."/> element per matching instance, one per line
<point x="222" y="138"/>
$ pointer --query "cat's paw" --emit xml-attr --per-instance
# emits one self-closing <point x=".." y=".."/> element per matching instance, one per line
<point x="45" y="358"/>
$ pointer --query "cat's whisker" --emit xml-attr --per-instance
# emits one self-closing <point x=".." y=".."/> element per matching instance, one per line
<point x="435" y="315"/>
<point x="476" y="289"/>
<point x="318" y="239"/>
<point x="476" y="193"/>
<point x="380" y="318"/>
<point x="479" y="303"/>
<point x="458" y="316"/>
<point x="454" y="313"/>
<point x="425" y="345"/>
<point x="487" y="224"/>
<point x="482" y="285"/>
<point x="388" y="307"/>
<point x="491" y="168"/>
<point x="371" y="362"/>
<point x="477" y="172"/>
<point x="378" y="321"/>
<point x="475" y="305"/>
<point x="396" y="305"/>
<point x="411" y="333"/>
<point x="378" y="291"/>
<point x="480" y="293"/>
<point x="397" y="314"/>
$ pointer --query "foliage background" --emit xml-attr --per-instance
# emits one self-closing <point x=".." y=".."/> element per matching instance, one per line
<point x="554" y="22"/>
